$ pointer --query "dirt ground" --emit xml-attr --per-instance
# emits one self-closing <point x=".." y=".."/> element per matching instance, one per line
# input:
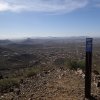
<point x="53" y="85"/>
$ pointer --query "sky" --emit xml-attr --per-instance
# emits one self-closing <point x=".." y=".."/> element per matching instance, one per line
<point x="43" y="18"/>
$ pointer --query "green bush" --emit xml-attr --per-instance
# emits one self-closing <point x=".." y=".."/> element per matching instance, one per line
<point x="7" y="84"/>
<point x="70" y="63"/>
<point x="31" y="72"/>
<point x="81" y="64"/>
<point x="60" y="61"/>
<point x="74" y="64"/>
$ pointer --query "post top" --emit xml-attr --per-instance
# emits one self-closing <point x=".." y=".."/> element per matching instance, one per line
<point x="89" y="44"/>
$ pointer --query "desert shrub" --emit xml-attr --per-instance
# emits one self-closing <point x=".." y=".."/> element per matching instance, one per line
<point x="7" y="84"/>
<point x="70" y="63"/>
<point x="74" y="64"/>
<point x="31" y="72"/>
<point x="81" y="64"/>
<point x="60" y="61"/>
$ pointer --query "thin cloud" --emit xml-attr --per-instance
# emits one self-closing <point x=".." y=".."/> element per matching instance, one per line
<point x="50" y="6"/>
<point x="97" y="5"/>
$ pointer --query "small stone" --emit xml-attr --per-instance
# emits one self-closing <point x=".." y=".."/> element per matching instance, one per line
<point x="17" y="91"/>
<point x="30" y="99"/>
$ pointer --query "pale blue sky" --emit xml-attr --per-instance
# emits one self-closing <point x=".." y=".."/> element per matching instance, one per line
<point x="33" y="18"/>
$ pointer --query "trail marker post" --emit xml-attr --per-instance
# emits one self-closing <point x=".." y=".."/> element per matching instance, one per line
<point x="88" y="67"/>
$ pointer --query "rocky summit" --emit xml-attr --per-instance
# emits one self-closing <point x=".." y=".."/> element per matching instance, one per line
<point x="55" y="84"/>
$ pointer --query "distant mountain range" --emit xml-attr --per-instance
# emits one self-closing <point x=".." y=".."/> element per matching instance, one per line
<point x="5" y="42"/>
<point x="45" y="40"/>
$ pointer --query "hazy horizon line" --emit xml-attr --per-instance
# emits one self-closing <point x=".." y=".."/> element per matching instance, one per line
<point x="37" y="37"/>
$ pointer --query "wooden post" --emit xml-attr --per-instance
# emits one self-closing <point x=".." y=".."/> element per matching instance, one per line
<point x="88" y="68"/>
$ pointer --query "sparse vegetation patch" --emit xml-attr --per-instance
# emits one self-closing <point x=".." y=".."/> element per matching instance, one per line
<point x="6" y="85"/>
